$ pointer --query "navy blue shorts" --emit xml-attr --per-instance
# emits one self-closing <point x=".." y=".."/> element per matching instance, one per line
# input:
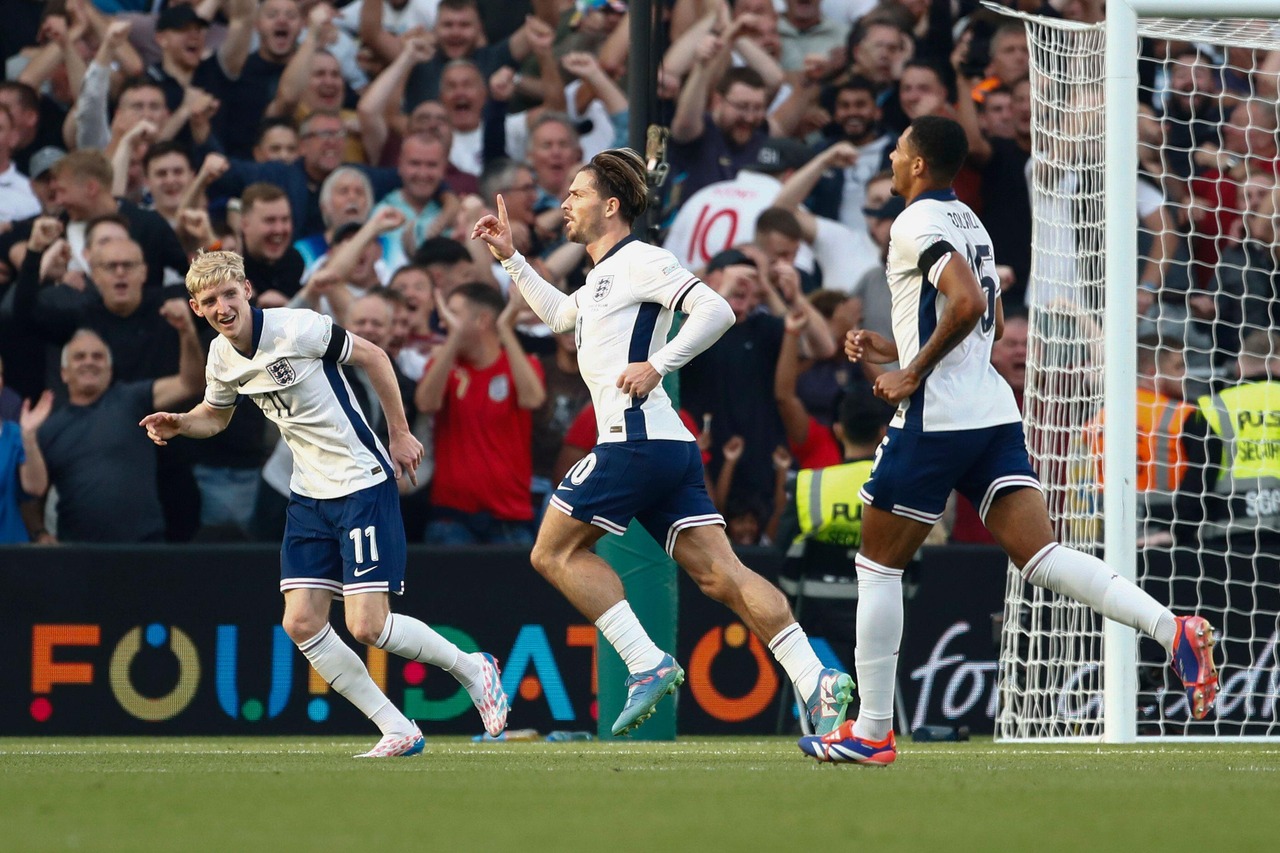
<point x="659" y="483"/>
<point x="348" y="545"/>
<point x="914" y="472"/>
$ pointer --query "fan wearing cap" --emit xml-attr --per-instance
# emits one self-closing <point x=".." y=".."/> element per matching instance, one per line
<point x="181" y="33"/>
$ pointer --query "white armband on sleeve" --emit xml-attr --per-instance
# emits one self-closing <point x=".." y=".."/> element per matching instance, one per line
<point x="936" y="270"/>
<point x="558" y="311"/>
<point x="709" y="318"/>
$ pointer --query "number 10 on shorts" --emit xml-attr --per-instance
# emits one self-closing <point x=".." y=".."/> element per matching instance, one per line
<point x="357" y="539"/>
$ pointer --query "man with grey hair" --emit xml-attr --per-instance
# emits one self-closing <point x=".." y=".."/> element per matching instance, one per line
<point x="103" y="470"/>
<point x="346" y="197"/>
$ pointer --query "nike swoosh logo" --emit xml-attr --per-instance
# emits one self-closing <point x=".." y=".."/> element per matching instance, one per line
<point x="564" y="488"/>
<point x="244" y="382"/>
<point x="358" y="573"/>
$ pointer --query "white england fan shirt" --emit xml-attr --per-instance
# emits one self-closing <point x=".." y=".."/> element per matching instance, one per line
<point x="963" y="391"/>
<point x="292" y="374"/>
<point x="625" y="312"/>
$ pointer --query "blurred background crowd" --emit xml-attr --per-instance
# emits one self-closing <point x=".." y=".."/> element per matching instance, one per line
<point x="346" y="151"/>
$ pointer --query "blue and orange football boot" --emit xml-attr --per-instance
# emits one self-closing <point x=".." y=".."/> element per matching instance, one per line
<point x="1193" y="661"/>
<point x="644" y="691"/>
<point x="842" y="746"/>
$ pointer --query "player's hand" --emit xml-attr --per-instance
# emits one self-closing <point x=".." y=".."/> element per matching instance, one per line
<point x="406" y="455"/>
<point x="162" y="426"/>
<point x="732" y="450"/>
<point x="639" y="379"/>
<point x="871" y="347"/>
<point x="496" y="231"/>
<point x="896" y="385"/>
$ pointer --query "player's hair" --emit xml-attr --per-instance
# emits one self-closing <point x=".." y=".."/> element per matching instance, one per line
<point x="327" y="188"/>
<point x="270" y="124"/>
<point x="745" y="75"/>
<point x="85" y="164"/>
<point x="209" y="269"/>
<point x="259" y="193"/>
<point x="80" y="333"/>
<point x="941" y="143"/>
<point x="92" y="225"/>
<point x="161" y="149"/>
<point x="28" y="98"/>
<point x="440" y="250"/>
<point x="779" y="220"/>
<point x="620" y="173"/>
<point x="481" y="295"/>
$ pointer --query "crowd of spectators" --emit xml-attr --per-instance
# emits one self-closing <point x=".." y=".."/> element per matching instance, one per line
<point x="347" y="151"/>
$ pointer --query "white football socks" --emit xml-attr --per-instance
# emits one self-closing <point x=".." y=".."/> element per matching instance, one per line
<point x="879" y="634"/>
<point x="1089" y="580"/>
<point x="343" y="670"/>
<point x="627" y="636"/>
<point x="791" y="649"/>
<point x="416" y="640"/>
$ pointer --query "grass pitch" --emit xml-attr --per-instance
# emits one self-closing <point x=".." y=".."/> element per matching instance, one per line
<point x="704" y="794"/>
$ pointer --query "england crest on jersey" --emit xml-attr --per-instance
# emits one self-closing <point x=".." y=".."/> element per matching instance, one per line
<point x="281" y="371"/>
<point x="603" y="285"/>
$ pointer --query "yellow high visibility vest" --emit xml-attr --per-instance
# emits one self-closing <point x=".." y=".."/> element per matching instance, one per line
<point x="1247" y="419"/>
<point x="828" y="505"/>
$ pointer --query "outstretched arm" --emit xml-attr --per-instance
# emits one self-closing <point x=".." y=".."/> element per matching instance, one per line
<point x="795" y="418"/>
<point x="204" y="421"/>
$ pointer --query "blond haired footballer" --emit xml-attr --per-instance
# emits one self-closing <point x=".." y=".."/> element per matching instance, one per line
<point x="344" y="536"/>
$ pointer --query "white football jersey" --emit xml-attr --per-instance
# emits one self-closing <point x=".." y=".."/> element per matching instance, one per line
<point x="963" y="391"/>
<point x="723" y="215"/>
<point x="624" y="315"/>
<point x="293" y="376"/>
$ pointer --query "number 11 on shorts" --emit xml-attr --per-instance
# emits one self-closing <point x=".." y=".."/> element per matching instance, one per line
<point x="358" y="541"/>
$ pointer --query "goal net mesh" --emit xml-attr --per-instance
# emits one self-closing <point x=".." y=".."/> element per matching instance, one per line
<point x="1206" y="223"/>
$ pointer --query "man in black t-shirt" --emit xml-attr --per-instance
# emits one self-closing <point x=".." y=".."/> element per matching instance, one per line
<point x="278" y="23"/>
<point x="181" y="32"/>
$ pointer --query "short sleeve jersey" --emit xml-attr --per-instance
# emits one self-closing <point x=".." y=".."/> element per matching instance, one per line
<point x="625" y="311"/>
<point x="292" y="374"/>
<point x="963" y="391"/>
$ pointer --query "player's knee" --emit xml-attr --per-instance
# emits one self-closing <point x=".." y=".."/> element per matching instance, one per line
<point x="546" y="561"/>
<point x="301" y="627"/>
<point x="366" y="628"/>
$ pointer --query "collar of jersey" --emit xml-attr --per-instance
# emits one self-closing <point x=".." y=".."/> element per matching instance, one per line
<point x="256" y="313"/>
<point x="630" y="238"/>
<point x="936" y="195"/>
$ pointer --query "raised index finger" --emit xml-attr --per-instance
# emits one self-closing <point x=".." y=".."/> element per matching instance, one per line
<point x="502" y="211"/>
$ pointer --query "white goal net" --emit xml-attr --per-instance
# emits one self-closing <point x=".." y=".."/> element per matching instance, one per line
<point x="1207" y="223"/>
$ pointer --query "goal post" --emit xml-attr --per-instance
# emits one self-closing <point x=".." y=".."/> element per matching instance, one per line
<point x="1064" y="672"/>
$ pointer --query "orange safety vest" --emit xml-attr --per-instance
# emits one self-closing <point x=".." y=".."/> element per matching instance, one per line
<point x="1161" y="462"/>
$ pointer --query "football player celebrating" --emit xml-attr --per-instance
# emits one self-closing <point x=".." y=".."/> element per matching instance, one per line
<point x="344" y="535"/>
